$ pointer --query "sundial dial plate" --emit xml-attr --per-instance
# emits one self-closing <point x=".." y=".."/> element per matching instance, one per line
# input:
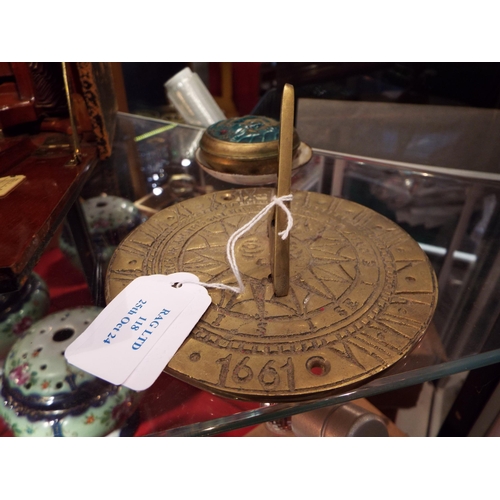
<point x="362" y="294"/>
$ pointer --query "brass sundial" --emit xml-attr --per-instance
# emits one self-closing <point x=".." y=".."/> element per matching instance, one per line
<point x="361" y="293"/>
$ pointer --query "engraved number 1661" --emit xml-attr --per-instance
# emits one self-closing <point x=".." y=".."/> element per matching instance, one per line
<point x="268" y="377"/>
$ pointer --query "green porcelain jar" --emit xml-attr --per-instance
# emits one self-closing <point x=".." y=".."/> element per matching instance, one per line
<point x="19" y="310"/>
<point x="41" y="394"/>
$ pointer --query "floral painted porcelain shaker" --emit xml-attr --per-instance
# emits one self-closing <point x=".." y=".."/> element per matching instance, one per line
<point x="41" y="394"/>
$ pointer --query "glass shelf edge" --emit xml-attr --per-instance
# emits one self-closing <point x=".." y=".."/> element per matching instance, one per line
<point x="379" y="386"/>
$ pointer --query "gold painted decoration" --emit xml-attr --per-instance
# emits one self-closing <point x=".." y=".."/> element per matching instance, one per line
<point x="361" y="294"/>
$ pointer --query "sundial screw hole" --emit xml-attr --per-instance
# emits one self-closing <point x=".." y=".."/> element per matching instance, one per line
<point x="410" y="279"/>
<point x="177" y="285"/>
<point x="318" y="366"/>
<point x="195" y="356"/>
<point x="132" y="261"/>
<point x="227" y="197"/>
<point x="102" y="204"/>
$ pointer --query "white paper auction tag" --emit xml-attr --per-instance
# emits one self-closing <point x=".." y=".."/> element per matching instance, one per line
<point x="136" y="335"/>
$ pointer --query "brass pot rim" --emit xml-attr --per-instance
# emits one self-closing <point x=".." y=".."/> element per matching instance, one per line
<point x="243" y="150"/>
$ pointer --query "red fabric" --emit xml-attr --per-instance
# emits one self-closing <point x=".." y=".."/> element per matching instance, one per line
<point x="67" y="285"/>
<point x="5" y="430"/>
<point x="168" y="403"/>
<point x="246" y="84"/>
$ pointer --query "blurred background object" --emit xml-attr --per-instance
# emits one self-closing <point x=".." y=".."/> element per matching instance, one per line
<point x="242" y="88"/>
<point x="191" y="98"/>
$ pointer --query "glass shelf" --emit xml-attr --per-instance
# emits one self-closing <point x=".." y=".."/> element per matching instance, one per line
<point x="452" y="213"/>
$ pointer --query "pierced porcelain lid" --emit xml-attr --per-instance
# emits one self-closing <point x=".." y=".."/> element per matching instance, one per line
<point x="109" y="213"/>
<point x="36" y="373"/>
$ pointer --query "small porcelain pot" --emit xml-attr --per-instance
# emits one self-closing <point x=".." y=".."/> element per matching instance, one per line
<point x="109" y="219"/>
<point x="41" y="394"/>
<point x="19" y="310"/>
<point x="248" y="145"/>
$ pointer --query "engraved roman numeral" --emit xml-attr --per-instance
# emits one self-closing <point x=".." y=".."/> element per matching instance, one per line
<point x="346" y="354"/>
